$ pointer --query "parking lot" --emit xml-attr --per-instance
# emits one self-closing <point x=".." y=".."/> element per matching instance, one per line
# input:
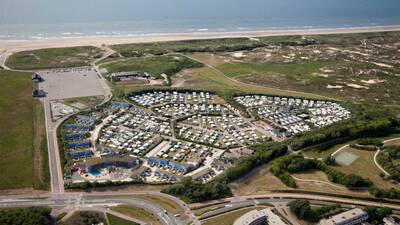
<point x="71" y="83"/>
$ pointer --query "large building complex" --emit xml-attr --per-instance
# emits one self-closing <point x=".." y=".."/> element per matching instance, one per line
<point x="259" y="217"/>
<point x="351" y="217"/>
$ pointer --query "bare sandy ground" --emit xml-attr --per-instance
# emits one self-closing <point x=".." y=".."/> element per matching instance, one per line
<point x="10" y="46"/>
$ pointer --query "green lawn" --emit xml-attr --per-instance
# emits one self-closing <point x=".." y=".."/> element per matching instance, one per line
<point x="21" y="134"/>
<point x="137" y="213"/>
<point x="155" y="65"/>
<point x="53" y="58"/>
<point x="114" y="220"/>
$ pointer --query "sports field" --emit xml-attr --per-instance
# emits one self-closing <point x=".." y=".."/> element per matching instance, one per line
<point x="23" y="148"/>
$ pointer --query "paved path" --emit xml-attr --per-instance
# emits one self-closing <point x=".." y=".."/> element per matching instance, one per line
<point x="57" y="179"/>
<point x="319" y="181"/>
<point x="376" y="157"/>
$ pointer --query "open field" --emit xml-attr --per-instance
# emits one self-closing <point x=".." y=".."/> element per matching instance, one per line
<point x="53" y="58"/>
<point x="337" y="66"/>
<point x="210" y="79"/>
<point x="229" y="218"/>
<point x="114" y="220"/>
<point x="364" y="166"/>
<point x="154" y="65"/>
<point x="258" y="181"/>
<point x="136" y="213"/>
<point x="22" y="136"/>
<point x="185" y="46"/>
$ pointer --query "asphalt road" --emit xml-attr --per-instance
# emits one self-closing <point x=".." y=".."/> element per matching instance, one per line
<point x="57" y="180"/>
<point x="79" y="201"/>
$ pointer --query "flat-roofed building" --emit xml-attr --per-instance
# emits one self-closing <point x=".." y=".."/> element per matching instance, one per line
<point x="259" y="217"/>
<point x="124" y="75"/>
<point x="351" y="217"/>
<point x="392" y="220"/>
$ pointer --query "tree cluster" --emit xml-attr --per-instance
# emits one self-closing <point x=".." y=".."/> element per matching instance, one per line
<point x="303" y="210"/>
<point x="193" y="191"/>
<point x="376" y="215"/>
<point x="26" y="216"/>
<point x="353" y="128"/>
<point x="384" y="193"/>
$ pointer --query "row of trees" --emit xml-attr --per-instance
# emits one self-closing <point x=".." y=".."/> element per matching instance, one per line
<point x="353" y="128"/>
<point x="26" y="216"/>
<point x="384" y="193"/>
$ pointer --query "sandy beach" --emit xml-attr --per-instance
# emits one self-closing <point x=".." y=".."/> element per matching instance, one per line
<point x="10" y="46"/>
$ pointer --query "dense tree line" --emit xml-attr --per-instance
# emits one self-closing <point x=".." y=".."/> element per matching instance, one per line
<point x="302" y="209"/>
<point x="353" y="128"/>
<point x="384" y="193"/>
<point x="370" y="141"/>
<point x="283" y="166"/>
<point x="86" y="218"/>
<point x="26" y="216"/>
<point x="193" y="191"/>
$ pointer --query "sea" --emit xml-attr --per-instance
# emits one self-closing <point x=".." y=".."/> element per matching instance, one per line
<point x="50" y="19"/>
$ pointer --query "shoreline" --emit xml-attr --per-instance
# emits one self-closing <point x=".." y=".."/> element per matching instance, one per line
<point x="11" y="46"/>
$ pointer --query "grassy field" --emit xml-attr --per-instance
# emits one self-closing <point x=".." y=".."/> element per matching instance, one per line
<point x="137" y="213"/>
<point x="229" y="218"/>
<point x="364" y="166"/>
<point x="23" y="144"/>
<point x="210" y="45"/>
<point x="292" y="71"/>
<point x="165" y="203"/>
<point x="155" y="65"/>
<point x="114" y="220"/>
<point x="53" y="58"/>
<point x="210" y="79"/>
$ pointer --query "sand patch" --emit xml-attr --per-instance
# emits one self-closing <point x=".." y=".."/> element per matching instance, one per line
<point x="238" y="54"/>
<point x="382" y="65"/>
<point x="334" y="86"/>
<point x="320" y="75"/>
<point x="372" y="81"/>
<point x="356" y="86"/>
